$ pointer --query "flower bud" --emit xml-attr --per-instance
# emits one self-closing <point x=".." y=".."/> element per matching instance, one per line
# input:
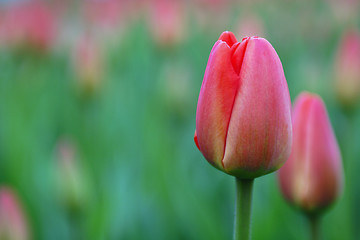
<point x="167" y="22"/>
<point x="243" y="123"/>
<point x="28" y="24"/>
<point x="250" y="25"/>
<point x="88" y="65"/>
<point x="312" y="178"/>
<point x="13" y="225"/>
<point x="347" y="69"/>
<point x="72" y="183"/>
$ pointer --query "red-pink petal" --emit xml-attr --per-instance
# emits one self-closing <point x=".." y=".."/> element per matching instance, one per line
<point x="259" y="132"/>
<point x="228" y="37"/>
<point x="215" y="103"/>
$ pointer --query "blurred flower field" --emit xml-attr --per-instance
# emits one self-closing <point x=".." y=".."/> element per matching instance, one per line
<point x="97" y="115"/>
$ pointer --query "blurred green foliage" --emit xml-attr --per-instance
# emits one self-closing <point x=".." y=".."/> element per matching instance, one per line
<point x="134" y="134"/>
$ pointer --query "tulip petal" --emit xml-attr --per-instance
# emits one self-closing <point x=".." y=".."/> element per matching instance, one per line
<point x="259" y="134"/>
<point x="228" y="37"/>
<point x="215" y="103"/>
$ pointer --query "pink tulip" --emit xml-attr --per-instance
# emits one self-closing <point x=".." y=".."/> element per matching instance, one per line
<point x="12" y="220"/>
<point x="167" y="21"/>
<point x="347" y="68"/>
<point x="30" y="24"/>
<point x="312" y="178"/>
<point x="243" y="123"/>
<point x="71" y="177"/>
<point x="250" y="25"/>
<point x="88" y="64"/>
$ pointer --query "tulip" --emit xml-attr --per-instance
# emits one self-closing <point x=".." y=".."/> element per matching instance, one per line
<point x="72" y="183"/>
<point x="167" y="22"/>
<point x="243" y="123"/>
<point x="347" y="69"/>
<point x="243" y="119"/>
<point x="30" y="24"/>
<point x="250" y="25"/>
<point x="312" y="178"/>
<point x="88" y="65"/>
<point x="13" y="225"/>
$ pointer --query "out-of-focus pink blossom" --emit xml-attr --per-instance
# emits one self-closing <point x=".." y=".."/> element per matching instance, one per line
<point x="13" y="224"/>
<point x="73" y="188"/>
<point x="312" y="177"/>
<point x="88" y="64"/>
<point x="250" y="26"/>
<point x="347" y="68"/>
<point x="30" y="24"/>
<point x="167" y="21"/>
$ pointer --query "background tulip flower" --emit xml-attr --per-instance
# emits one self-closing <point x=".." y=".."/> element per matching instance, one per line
<point x="72" y="182"/>
<point x="30" y="24"/>
<point x="13" y="224"/>
<point x="312" y="178"/>
<point x="167" y="21"/>
<point x="88" y="64"/>
<point x="250" y="25"/>
<point x="243" y="124"/>
<point x="347" y="68"/>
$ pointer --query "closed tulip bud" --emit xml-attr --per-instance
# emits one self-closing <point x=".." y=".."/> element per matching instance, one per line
<point x="243" y="118"/>
<point x="347" y="69"/>
<point x="312" y="178"/>
<point x="30" y="24"/>
<point x="250" y="25"/>
<point x="13" y="225"/>
<point x="72" y="181"/>
<point x="167" y="22"/>
<point x="88" y="65"/>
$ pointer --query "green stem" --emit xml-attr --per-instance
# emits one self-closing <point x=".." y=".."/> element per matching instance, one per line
<point x="243" y="208"/>
<point x="314" y="227"/>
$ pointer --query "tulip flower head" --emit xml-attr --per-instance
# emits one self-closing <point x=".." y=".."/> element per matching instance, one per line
<point x="30" y="24"/>
<point x="250" y="25"/>
<point x="72" y="181"/>
<point x="12" y="220"/>
<point x="88" y="64"/>
<point x="167" y="22"/>
<point x="243" y="118"/>
<point x="312" y="178"/>
<point x="347" y="69"/>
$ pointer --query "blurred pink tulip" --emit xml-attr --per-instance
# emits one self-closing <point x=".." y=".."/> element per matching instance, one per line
<point x="243" y="123"/>
<point x="88" y="64"/>
<point x="312" y="178"/>
<point x="109" y="14"/>
<point x="205" y="10"/>
<point x="347" y="68"/>
<point x="167" y="21"/>
<point x="30" y="24"/>
<point x="250" y="25"/>
<point x="73" y="188"/>
<point x="13" y="225"/>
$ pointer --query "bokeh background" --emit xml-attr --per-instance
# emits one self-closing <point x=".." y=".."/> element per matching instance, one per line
<point x="97" y="115"/>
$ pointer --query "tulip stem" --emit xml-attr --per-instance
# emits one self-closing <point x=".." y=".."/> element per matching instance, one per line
<point x="244" y="188"/>
<point x="314" y="227"/>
